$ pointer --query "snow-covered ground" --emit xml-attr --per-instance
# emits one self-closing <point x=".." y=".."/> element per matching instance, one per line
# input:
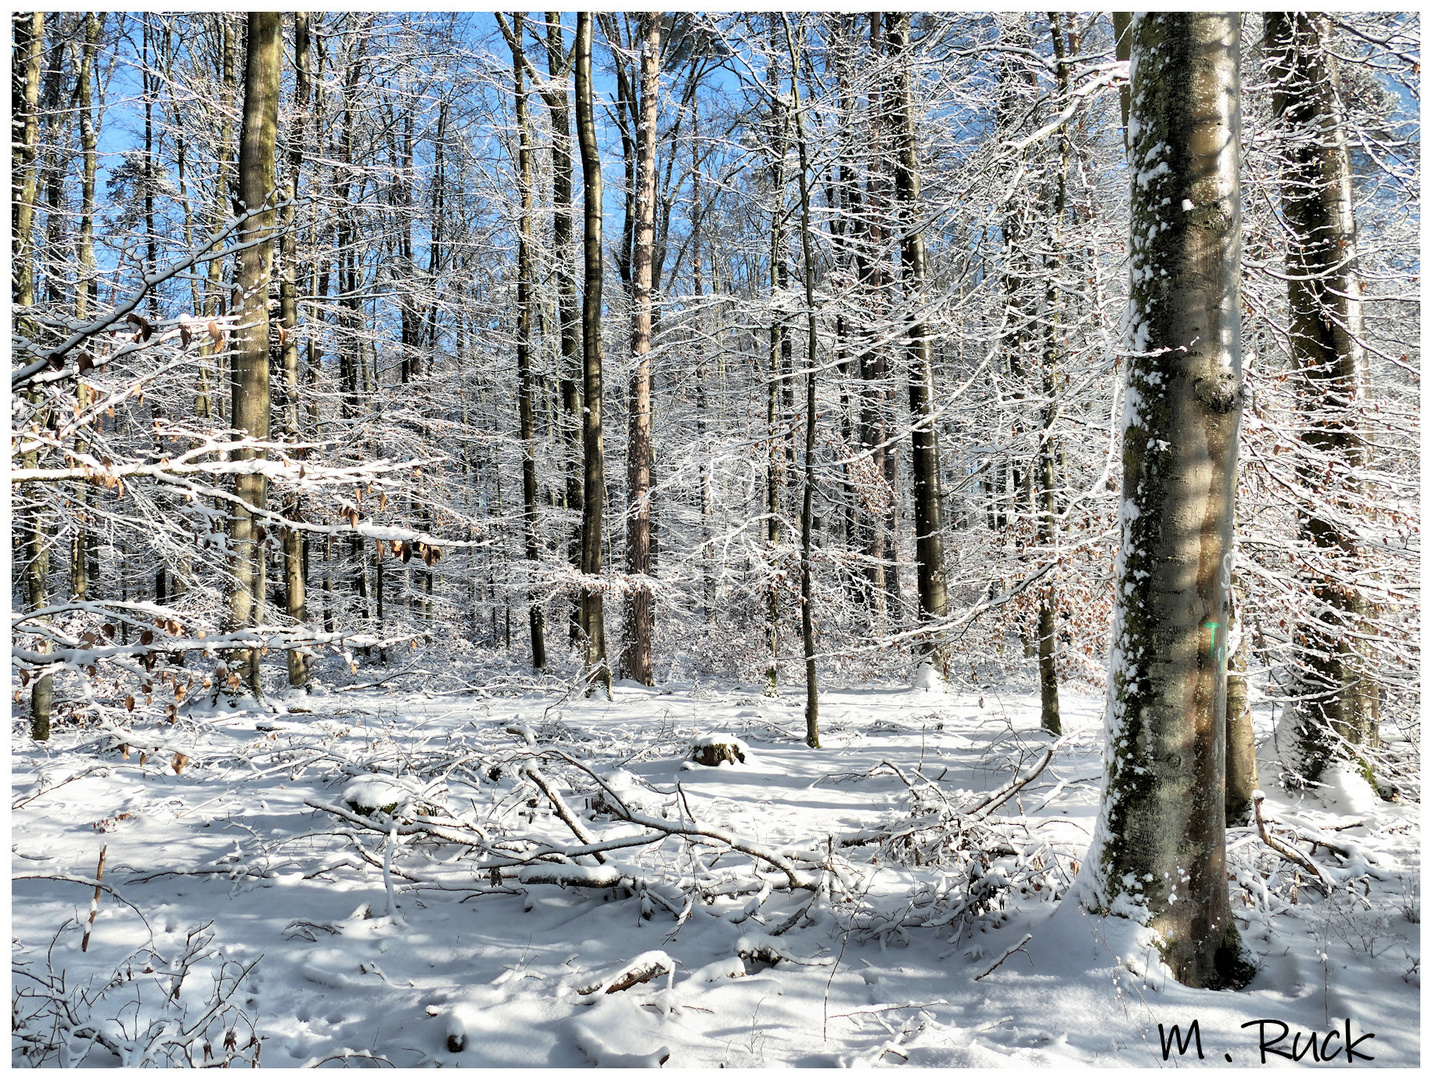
<point x="385" y="877"/>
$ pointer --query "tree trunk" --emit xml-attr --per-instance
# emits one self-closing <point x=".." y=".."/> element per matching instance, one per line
<point x="1046" y="507"/>
<point x="87" y="287"/>
<point x="708" y="552"/>
<point x="1123" y="43"/>
<point x="250" y="378"/>
<point x="436" y="256"/>
<point x="636" y="654"/>
<point x="1015" y="115"/>
<point x="525" y="276"/>
<point x="775" y="462"/>
<point x="149" y="84"/>
<point x="54" y="258"/>
<point x="87" y="295"/>
<point x="873" y="363"/>
<point x="1240" y="754"/>
<point x="812" y="710"/>
<point x="1158" y="847"/>
<point x="350" y="346"/>
<point x="570" y="377"/>
<point x="1337" y="700"/>
<point x="842" y="197"/>
<point x="594" y="478"/>
<point x="216" y="303"/>
<point x="924" y="440"/>
<point x="28" y="32"/>
<point x="295" y="581"/>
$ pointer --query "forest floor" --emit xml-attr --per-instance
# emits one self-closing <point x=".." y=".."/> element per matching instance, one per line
<point x="360" y="876"/>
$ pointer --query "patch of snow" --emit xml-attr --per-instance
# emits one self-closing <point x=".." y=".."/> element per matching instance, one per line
<point x="1345" y="790"/>
<point x="506" y="914"/>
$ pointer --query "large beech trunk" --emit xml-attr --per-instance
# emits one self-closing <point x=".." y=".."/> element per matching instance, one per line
<point x="1158" y="849"/>
<point x="1338" y="701"/>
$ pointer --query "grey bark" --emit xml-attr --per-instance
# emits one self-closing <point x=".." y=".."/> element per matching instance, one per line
<point x="1013" y="490"/>
<point x="88" y="294"/>
<point x="1240" y="756"/>
<point x="881" y="577"/>
<point x="149" y="82"/>
<point x="1337" y="705"/>
<point x="708" y="553"/>
<point x="1159" y="844"/>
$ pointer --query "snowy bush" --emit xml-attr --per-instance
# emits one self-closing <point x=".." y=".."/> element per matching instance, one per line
<point x="148" y="1011"/>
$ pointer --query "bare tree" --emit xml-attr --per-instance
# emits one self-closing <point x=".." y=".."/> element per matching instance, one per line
<point x="295" y="580"/>
<point x="594" y="478"/>
<point x="250" y="364"/>
<point x="812" y="710"/>
<point x="28" y="32"/>
<point x="1045" y="487"/>
<point x="525" y="277"/>
<point x="924" y="438"/>
<point x="778" y="367"/>
<point x="636" y="652"/>
<point x="570" y="379"/>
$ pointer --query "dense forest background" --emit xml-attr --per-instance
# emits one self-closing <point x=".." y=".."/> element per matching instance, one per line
<point x="425" y="484"/>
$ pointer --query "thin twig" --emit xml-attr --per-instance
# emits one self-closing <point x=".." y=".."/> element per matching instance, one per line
<point x="1006" y="955"/>
<point x="94" y="904"/>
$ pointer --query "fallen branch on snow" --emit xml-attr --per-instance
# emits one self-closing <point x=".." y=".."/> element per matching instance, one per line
<point x="641" y="969"/>
<point x="1321" y="881"/>
<point x="1019" y="947"/>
